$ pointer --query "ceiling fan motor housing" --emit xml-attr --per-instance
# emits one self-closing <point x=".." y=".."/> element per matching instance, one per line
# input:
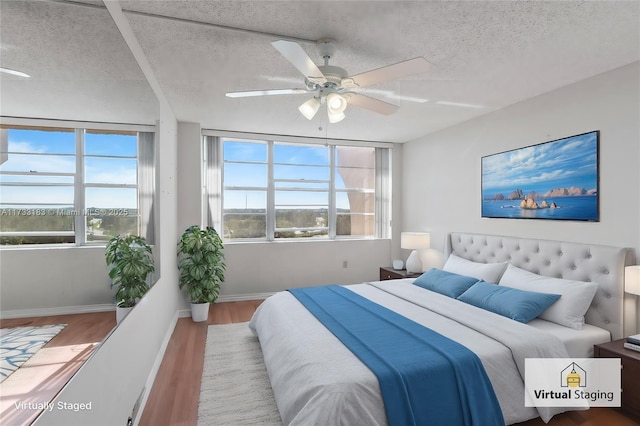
<point x="334" y="75"/>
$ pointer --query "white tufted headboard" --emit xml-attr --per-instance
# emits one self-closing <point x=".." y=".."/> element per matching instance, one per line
<point x="574" y="261"/>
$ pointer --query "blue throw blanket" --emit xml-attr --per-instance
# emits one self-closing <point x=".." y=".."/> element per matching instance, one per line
<point x="425" y="378"/>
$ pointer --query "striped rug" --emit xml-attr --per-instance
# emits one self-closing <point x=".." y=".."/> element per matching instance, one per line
<point x="19" y="344"/>
<point x="235" y="388"/>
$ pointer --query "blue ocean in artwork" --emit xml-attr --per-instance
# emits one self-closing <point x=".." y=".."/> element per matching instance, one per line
<point x="568" y="208"/>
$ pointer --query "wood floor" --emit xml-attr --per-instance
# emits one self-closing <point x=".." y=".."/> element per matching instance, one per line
<point x="41" y="378"/>
<point x="174" y="397"/>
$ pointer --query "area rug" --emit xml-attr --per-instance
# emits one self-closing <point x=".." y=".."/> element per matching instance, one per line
<point x="19" y="344"/>
<point x="235" y="388"/>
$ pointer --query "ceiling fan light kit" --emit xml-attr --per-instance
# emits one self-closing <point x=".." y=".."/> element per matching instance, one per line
<point x="333" y="85"/>
<point x="310" y="108"/>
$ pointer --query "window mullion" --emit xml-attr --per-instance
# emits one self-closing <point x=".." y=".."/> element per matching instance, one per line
<point x="80" y="220"/>
<point x="332" y="219"/>
<point x="271" y="196"/>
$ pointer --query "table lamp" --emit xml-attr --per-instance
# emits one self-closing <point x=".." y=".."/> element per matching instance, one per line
<point x="632" y="279"/>
<point x="414" y="241"/>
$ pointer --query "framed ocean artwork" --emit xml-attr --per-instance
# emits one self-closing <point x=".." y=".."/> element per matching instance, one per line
<point x="552" y="180"/>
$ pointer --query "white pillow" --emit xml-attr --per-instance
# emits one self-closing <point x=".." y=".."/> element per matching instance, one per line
<point x="569" y="310"/>
<point x="490" y="272"/>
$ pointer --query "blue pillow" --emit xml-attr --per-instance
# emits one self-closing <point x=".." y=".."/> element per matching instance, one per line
<point x="519" y="305"/>
<point x="443" y="282"/>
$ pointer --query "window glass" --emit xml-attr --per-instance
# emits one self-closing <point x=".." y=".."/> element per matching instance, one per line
<point x="110" y="170"/>
<point x="42" y="141"/>
<point x="39" y="185"/>
<point x="248" y="175"/>
<point x="111" y="144"/>
<point x="243" y="201"/>
<point x="305" y="191"/>
<point x="245" y="151"/>
<point x="44" y="195"/>
<point x="355" y="225"/>
<point x="39" y="163"/>
<point x="300" y="154"/>
<point x="110" y="211"/>
<point x="247" y="225"/>
<point x="301" y="173"/>
<point x="355" y="197"/>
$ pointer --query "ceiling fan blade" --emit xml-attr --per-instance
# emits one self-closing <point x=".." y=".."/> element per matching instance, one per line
<point x="391" y="72"/>
<point x="265" y="93"/>
<point x="371" y="104"/>
<point x="294" y="53"/>
<point x="390" y="94"/>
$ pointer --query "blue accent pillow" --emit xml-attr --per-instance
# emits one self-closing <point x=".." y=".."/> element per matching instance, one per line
<point x="519" y="305"/>
<point x="443" y="282"/>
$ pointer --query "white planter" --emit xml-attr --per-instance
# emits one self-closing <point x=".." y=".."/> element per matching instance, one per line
<point x="199" y="311"/>
<point x="121" y="313"/>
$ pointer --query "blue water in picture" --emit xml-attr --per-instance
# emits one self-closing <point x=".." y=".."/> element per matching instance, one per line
<point x="569" y="208"/>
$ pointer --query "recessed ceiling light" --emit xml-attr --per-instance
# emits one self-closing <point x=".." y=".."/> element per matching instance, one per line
<point x="14" y="72"/>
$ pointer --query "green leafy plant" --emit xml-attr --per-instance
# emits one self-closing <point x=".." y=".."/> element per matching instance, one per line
<point x="130" y="261"/>
<point x="201" y="263"/>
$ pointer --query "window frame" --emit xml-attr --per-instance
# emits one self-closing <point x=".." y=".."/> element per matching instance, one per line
<point x="213" y="184"/>
<point x="78" y="183"/>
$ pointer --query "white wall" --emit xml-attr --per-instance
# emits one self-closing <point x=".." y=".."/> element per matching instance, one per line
<point x="259" y="268"/>
<point x="255" y="268"/>
<point x="60" y="279"/>
<point x="442" y="170"/>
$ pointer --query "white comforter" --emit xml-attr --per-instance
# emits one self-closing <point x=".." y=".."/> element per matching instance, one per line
<point x="316" y="380"/>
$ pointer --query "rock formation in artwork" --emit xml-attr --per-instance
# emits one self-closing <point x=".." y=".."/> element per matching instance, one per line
<point x="518" y="194"/>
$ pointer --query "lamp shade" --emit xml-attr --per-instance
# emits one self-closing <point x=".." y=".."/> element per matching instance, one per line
<point x="415" y="240"/>
<point x="310" y="108"/>
<point x="336" y="103"/>
<point x="632" y="279"/>
<point x="336" y="117"/>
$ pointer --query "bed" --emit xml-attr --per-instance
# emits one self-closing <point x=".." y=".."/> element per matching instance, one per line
<point x="317" y="380"/>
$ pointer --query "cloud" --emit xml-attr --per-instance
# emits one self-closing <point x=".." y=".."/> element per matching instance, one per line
<point x="546" y="162"/>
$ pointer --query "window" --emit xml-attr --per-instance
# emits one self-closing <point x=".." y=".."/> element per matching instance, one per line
<point x="273" y="189"/>
<point x="70" y="185"/>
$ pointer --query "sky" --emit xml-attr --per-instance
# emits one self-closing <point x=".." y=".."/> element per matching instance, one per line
<point x="62" y="144"/>
<point x="569" y="162"/>
<point x="123" y="171"/>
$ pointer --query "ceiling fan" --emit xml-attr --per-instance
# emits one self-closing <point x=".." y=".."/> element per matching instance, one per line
<point x="333" y="85"/>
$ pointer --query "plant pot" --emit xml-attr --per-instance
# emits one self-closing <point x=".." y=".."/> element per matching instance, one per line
<point x="199" y="311"/>
<point x="121" y="313"/>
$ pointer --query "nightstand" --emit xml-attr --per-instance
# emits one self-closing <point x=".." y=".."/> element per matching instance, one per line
<point x="388" y="273"/>
<point x="630" y="361"/>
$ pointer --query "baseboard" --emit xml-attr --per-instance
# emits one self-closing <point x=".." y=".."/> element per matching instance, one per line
<point x="156" y="366"/>
<point x="241" y="297"/>
<point x="61" y="310"/>
<point x="184" y="313"/>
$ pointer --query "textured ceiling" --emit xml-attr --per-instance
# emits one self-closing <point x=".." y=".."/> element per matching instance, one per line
<point x="79" y="64"/>
<point x="488" y="54"/>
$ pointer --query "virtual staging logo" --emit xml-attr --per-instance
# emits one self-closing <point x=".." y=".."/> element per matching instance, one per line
<point x="564" y="382"/>
<point x="572" y="379"/>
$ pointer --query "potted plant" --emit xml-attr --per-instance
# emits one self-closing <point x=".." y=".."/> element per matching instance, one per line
<point x="201" y="264"/>
<point x="130" y="261"/>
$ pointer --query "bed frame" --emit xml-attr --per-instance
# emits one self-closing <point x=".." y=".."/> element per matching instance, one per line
<point x="609" y="310"/>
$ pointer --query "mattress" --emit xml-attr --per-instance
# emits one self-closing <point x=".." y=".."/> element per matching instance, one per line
<point x="579" y="343"/>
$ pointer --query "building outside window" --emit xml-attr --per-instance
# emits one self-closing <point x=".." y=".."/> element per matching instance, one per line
<point x="73" y="185"/>
<point x="275" y="190"/>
